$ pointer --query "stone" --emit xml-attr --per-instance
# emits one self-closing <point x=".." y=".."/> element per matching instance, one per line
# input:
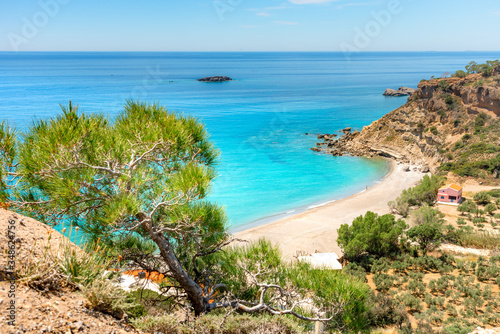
<point x="402" y="91"/>
<point x="496" y="173"/>
<point x="425" y="169"/>
<point x="215" y="79"/>
<point x="79" y="325"/>
<point x="315" y="149"/>
<point x="346" y="130"/>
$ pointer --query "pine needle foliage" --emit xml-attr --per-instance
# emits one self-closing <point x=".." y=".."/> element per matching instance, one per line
<point x="147" y="173"/>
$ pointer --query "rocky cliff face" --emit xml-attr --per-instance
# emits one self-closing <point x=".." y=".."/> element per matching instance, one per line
<point x="436" y="116"/>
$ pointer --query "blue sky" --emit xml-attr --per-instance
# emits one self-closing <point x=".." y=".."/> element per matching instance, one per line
<point x="249" y="25"/>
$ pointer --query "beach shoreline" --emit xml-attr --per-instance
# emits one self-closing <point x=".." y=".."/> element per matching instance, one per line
<point x="305" y="208"/>
<point x="315" y="230"/>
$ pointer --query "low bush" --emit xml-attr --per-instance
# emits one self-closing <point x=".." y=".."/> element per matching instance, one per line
<point x="102" y="295"/>
<point x="467" y="238"/>
<point x="457" y="329"/>
<point x="412" y="302"/>
<point x="385" y="312"/>
<point x="482" y="197"/>
<point x="355" y="270"/>
<point x="383" y="282"/>
<point x="219" y="323"/>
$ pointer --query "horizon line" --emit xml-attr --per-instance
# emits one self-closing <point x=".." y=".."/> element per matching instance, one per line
<point x="258" y="51"/>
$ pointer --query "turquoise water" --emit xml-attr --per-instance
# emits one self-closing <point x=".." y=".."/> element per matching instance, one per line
<point x="258" y="121"/>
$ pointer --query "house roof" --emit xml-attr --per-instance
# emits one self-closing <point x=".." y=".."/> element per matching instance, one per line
<point x="453" y="186"/>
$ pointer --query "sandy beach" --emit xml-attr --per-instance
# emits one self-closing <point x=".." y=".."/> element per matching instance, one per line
<point x="316" y="230"/>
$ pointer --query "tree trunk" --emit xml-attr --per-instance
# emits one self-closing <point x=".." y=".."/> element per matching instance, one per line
<point x="192" y="289"/>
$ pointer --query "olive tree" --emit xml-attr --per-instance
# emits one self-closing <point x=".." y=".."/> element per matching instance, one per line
<point x="145" y="174"/>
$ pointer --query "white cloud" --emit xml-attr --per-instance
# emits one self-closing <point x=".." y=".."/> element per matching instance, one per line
<point x="351" y="4"/>
<point x="277" y="7"/>
<point x="263" y="14"/>
<point x="306" y="2"/>
<point x="286" y="23"/>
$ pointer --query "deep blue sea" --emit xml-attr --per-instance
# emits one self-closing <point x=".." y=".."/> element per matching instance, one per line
<point x="258" y="121"/>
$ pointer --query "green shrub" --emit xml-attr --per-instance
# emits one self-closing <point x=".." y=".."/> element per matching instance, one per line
<point x="323" y="287"/>
<point x="433" y="130"/>
<point x="467" y="238"/>
<point x="448" y="99"/>
<point x="355" y="270"/>
<point x="219" y="323"/>
<point x="416" y="287"/>
<point x="412" y="302"/>
<point x="460" y="74"/>
<point x="457" y="329"/>
<point x="467" y="206"/>
<point x="385" y="312"/>
<point x="400" y="266"/>
<point x="482" y="198"/>
<point x="490" y="208"/>
<point x="372" y="234"/>
<point x="383" y="282"/>
<point x="381" y="265"/>
<point x="494" y="193"/>
<point x="444" y="85"/>
<point x="102" y="295"/>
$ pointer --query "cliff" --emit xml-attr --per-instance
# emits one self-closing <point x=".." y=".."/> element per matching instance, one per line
<point x="440" y="120"/>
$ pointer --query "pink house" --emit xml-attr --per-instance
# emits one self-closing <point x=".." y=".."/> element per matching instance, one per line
<point x="450" y="195"/>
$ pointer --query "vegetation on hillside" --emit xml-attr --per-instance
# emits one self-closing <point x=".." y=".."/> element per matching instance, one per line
<point x="422" y="194"/>
<point x="138" y="186"/>
<point x="477" y="152"/>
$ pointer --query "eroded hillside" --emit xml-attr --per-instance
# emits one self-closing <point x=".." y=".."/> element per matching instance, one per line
<point x="446" y="122"/>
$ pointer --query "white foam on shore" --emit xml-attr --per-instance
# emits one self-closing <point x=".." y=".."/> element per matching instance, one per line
<point x="320" y="205"/>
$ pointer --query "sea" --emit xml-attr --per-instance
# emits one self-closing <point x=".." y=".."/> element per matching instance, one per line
<point x="264" y="122"/>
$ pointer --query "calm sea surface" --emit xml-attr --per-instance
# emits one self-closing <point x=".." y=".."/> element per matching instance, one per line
<point x="258" y="121"/>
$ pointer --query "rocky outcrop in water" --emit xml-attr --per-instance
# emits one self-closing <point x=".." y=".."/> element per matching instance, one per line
<point x="215" y="79"/>
<point x="401" y="91"/>
<point x="425" y="129"/>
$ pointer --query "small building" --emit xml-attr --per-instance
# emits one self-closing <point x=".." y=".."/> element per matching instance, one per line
<point x="451" y="194"/>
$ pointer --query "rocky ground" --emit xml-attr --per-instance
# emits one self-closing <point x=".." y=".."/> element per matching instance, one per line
<point x="64" y="312"/>
<point x="60" y="311"/>
<point x="435" y="117"/>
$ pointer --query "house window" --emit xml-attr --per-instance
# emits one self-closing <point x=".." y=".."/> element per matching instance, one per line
<point x="442" y="197"/>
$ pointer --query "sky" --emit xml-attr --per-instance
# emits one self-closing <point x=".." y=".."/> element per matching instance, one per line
<point x="250" y="25"/>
